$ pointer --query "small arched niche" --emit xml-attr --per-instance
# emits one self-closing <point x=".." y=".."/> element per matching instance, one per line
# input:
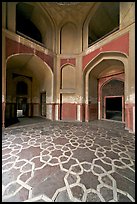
<point x="68" y="77"/>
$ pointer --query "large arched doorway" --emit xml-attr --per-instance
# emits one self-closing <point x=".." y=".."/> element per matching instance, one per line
<point x="27" y="77"/>
<point x="105" y="88"/>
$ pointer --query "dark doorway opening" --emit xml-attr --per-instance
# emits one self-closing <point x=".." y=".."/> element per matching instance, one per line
<point x="22" y="107"/>
<point x="114" y="108"/>
<point x="21" y="99"/>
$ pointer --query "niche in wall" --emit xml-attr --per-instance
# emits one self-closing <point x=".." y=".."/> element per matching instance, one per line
<point x="68" y="39"/>
<point x="68" y="77"/>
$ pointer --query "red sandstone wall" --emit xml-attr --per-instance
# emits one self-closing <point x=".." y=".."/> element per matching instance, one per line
<point x="69" y="111"/>
<point x="13" y="47"/>
<point x="120" y="44"/>
<point x="129" y="116"/>
<point x="82" y="112"/>
<point x="71" y="61"/>
<point x="93" y="111"/>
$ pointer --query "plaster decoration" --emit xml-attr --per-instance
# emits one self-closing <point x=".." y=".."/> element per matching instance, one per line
<point x="79" y="99"/>
<point x="72" y="99"/>
<point x="69" y="99"/>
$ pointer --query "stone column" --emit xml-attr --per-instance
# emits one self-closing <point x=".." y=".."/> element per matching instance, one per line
<point x="3" y="79"/>
<point x="127" y="21"/>
<point x="56" y="112"/>
<point x="78" y="112"/>
<point x="86" y="113"/>
<point x="56" y="89"/>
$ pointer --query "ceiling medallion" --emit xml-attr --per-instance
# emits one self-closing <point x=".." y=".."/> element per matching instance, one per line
<point x="67" y="3"/>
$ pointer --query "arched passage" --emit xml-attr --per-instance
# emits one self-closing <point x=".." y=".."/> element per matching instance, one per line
<point x="37" y="76"/>
<point x="99" y="71"/>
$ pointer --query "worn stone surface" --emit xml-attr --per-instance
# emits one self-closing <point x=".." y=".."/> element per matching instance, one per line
<point x="68" y="162"/>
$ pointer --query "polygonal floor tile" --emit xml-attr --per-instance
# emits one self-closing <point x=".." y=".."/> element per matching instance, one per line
<point x="92" y="197"/>
<point x="20" y="196"/>
<point x="106" y="193"/>
<point x="77" y="192"/>
<point x="89" y="180"/>
<point x="11" y="188"/>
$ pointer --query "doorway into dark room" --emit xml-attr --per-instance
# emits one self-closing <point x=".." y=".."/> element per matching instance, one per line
<point x="114" y="108"/>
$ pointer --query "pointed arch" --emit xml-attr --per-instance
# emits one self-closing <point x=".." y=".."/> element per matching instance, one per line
<point x="68" y="36"/>
<point x="92" y="71"/>
<point x="38" y="76"/>
<point x="68" y="76"/>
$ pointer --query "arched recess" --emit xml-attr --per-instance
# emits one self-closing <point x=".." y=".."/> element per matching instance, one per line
<point x="68" y="78"/>
<point x="102" y="13"/>
<point x="68" y="39"/>
<point x="38" y="76"/>
<point x="24" y="24"/>
<point x="35" y="22"/>
<point x="101" y="69"/>
<point x="86" y="24"/>
<point x="68" y="88"/>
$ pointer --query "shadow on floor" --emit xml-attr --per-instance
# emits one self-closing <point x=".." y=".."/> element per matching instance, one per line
<point x="26" y="121"/>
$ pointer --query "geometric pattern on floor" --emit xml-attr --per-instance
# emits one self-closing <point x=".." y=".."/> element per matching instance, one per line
<point x="68" y="162"/>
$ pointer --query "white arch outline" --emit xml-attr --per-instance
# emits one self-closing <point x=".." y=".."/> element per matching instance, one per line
<point x="122" y="57"/>
<point x="38" y="58"/>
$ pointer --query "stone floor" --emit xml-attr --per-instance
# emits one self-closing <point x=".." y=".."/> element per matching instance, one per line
<point x="68" y="162"/>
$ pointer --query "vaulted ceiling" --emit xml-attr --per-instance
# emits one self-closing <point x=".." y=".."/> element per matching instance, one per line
<point x="102" y="17"/>
<point x="72" y="12"/>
